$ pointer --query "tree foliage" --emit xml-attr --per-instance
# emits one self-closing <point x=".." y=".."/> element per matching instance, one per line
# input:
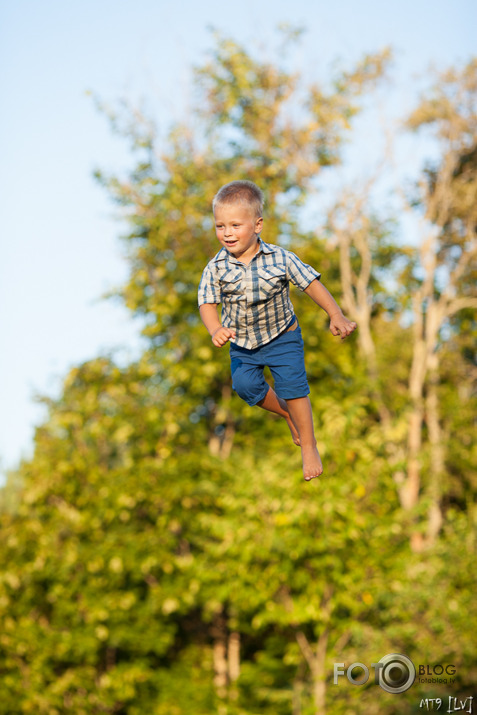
<point x="162" y="554"/>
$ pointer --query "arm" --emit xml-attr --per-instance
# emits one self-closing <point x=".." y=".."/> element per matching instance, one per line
<point x="339" y="325"/>
<point x="210" y="318"/>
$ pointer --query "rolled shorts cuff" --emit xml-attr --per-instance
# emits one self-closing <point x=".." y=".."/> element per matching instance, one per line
<point x="293" y="392"/>
<point x="252" y="401"/>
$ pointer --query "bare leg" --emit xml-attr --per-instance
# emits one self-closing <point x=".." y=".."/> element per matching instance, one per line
<point x="301" y="414"/>
<point x="275" y="404"/>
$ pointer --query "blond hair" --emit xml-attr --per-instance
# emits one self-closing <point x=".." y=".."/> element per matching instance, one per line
<point x="242" y="192"/>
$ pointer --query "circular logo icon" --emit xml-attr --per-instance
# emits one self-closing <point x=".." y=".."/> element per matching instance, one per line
<point x="397" y="673"/>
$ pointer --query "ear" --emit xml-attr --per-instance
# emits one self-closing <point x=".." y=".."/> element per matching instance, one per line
<point x="258" y="225"/>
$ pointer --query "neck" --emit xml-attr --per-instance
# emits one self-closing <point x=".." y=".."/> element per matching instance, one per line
<point x="248" y="255"/>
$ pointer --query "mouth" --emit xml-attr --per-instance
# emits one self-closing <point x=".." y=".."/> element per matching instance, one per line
<point x="230" y="244"/>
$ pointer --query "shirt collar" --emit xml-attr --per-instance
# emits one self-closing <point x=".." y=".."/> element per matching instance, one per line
<point x="224" y="255"/>
<point x="266" y="247"/>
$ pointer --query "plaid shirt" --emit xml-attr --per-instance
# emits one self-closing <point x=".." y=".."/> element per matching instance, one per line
<point x="255" y="297"/>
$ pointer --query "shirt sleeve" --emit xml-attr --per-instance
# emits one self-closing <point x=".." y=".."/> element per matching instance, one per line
<point x="209" y="289"/>
<point x="299" y="273"/>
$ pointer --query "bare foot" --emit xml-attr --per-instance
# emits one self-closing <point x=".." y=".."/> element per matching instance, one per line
<point x="294" y="431"/>
<point x="312" y="466"/>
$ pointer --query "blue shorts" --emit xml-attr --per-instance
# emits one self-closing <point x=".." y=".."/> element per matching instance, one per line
<point x="283" y="355"/>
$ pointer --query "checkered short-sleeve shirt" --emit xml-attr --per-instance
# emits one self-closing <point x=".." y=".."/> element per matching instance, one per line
<point x="255" y="298"/>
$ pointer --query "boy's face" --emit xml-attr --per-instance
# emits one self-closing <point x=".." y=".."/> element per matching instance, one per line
<point x="237" y="228"/>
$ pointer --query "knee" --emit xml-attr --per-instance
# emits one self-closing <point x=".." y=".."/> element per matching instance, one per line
<point x="241" y="384"/>
<point x="249" y="385"/>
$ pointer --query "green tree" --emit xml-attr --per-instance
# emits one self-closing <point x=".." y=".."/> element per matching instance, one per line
<point x="443" y="280"/>
<point x="165" y="555"/>
<point x="247" y="128"/>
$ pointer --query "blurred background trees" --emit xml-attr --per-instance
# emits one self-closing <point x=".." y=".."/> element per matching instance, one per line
<point x="160" y="552"/>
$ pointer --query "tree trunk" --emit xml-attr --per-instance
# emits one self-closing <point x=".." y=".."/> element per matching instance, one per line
<point x="409" y="492"/>
<point x="233" y="663"/>
<point x="437" y="457"/>
<point x="220" y="444"/>
<point x="226" y="657"/>
<point x="297" y="696"/>
<point x="319" y="684"/>
<point x="316" y="662"/>
<point x="357" y="295"/>
<point x="219" y="635"/>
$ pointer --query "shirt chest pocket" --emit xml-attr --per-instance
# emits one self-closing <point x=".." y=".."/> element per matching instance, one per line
<point x="230" y="285"/>
<point x="272" y="280"/>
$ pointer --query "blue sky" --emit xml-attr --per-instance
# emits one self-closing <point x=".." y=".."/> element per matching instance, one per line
<point x="59" y="247"/>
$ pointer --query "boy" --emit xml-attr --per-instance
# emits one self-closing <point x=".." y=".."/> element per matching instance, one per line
<point x="251" y="280"/>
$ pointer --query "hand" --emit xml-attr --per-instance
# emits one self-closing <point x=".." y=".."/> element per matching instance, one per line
<point x="339" y="325"/>
<point x="221" y="336"/>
